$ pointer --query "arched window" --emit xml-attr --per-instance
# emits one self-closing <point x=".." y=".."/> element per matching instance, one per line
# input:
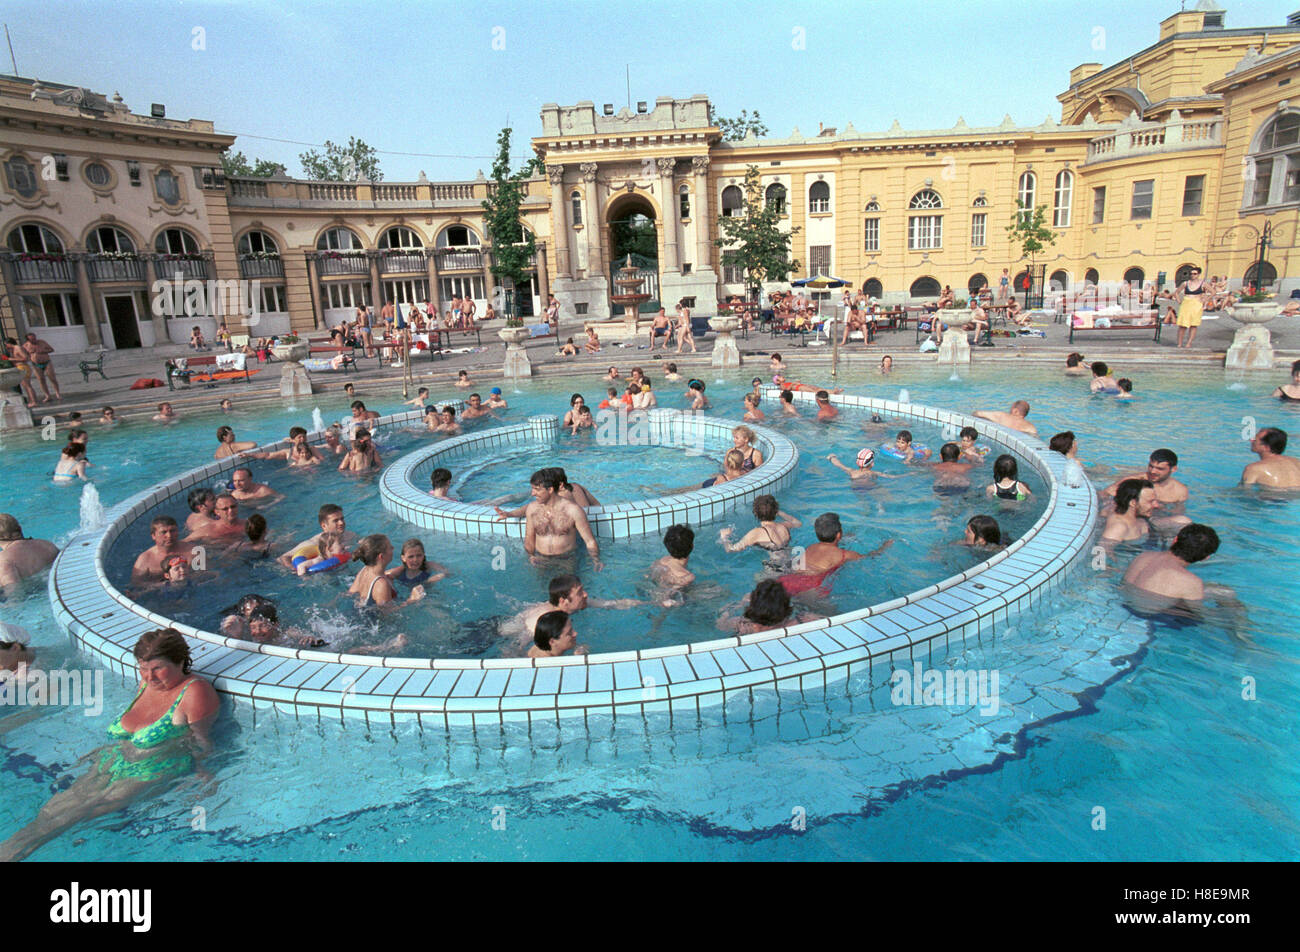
<point x="1064" y="195"/>
<point x="976" y="283"/>
<point x="684" y="203"/>
<point x="873" y="207"/>
<point x="732" y="201"/>
<point x="1091" y="277"/>
<point x="400" y="237"/>
<point x="775" y="198"/>
<point x="34" y="239"/>
<point x="925" y="232"/>
<point x="873" y="288"/>
<point x="20" y="176"/>
<point x="176" y="241"/>
<point x="338" y="239"/>
<point x="1184" y="273"/>
<point x="1026" y="192"/>
<point x="109" y="239"/>
<point x="1267" y="274"/>
<point x="981" y="202"/>
<point x="167" y="186"/>
<point x="819" y="198"/>
<point x="1135" y="276"/>
<point x="1059" y="281"/>
<point x="925" y="287"/>
<point x="575" y="206"/>
<point x="257" y="243"/>
<point x="1273" y="167"/>
<point x="457" y="236"/>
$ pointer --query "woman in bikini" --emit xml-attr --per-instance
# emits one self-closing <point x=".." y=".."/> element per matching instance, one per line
<point x="1290" y="393"/>
<point x="18" y="356"/>
<point x="745" y="440"/>
<point x="772" y="533"/>
<point x="372" y="586"/>
<point x="159" y="737"/>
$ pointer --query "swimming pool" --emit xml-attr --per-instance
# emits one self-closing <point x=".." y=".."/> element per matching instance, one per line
<point x="857" y="768"/>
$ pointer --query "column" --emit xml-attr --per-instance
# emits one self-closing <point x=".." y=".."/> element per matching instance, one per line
<point x="11" y="296"/>
<point x="485" y="260"/>
<point x="435" y="292"/>
<point x="672" y="262"/>
<point x="376" y="289"/>
<point x="595" y="266"/>
<point x="86" y="296"/>
<point x="543" y="275"/>
<point x="313" y="286"/>
<point x="700" y="212"/>
<point x="559" y="221"/>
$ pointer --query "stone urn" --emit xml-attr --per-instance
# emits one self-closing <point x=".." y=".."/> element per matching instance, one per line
<point x="295" y="352"/>
<point x="14" y="414"/>
<point x="1252" y="346"/>
<point x="725" y="352"/>
<point x="517" y="363"/>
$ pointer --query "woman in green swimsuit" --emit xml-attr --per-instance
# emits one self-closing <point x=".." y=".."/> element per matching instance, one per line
<point x="156" y="739"/>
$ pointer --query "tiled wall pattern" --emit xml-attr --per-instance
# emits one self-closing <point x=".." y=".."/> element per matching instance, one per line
<point x="404" y="491"/>
<point x="681" y="679"/>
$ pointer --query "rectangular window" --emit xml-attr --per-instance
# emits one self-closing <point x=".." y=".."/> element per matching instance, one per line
<point x="51" y="310"/>
<point x="580" y="308"/>
<point x="684" y="207"/>
<point x="1193" y="193"/>
<point x="273" y="300"/>
<point x="61" y="166"/>
<point x="133" y="171"/>
<point x="733" y="274"/>
<point x="1291" y="192"/>
<point x="210" y="178"/>
<point x="872" y="231"/>
<point x="819" y="259"/>
<point x="21" y="177"/>
<point x="978" y="229"/>
<point x="1263" y="181"/>
<point x="338" y="294"/>
<point x="1099" y="205"/>
<point x="924" y="232"/>
<point x="1143" y="197"/>
<point x="409" y="291"/>
<point x="468" y="286"/>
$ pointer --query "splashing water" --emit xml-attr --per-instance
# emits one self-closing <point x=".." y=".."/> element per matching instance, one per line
<point x="317" y="421"/>
<point x="904" y="396"/>
<point x="955" y="376"/>
<point x="1238" y="378"/>
<point x="92" y="510"/>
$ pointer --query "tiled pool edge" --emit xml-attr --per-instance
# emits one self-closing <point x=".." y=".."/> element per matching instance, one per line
<point x="402" y="492"/>
<point x="673" y="679"/>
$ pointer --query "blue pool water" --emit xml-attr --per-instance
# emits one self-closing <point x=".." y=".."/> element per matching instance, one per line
<point x="1183" y="766"/>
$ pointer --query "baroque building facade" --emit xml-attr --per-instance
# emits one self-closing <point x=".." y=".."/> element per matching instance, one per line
<point x="1184" y="153"/>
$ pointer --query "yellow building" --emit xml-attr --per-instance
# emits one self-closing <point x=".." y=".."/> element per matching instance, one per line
<point x="1181" y="153"/>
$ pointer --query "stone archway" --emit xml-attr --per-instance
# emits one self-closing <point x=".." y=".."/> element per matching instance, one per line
<point x="632" y="231"/>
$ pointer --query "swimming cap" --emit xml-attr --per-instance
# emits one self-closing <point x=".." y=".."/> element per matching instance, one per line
<point x="496" y="390"/>
<point x="865" y="458"/>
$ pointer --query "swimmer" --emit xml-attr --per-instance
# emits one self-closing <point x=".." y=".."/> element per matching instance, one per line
<point x="227" y="445"/>
<point x="757" y="387"/>
<point x="907" y="450"/>
<point x="1273" y="470"/>
<point x="1125" y="389"/>
<point x="670" y="573"/>
<point x="776" y="365"/>
<point x="165" y="414"/>
<point x="1006" y="481"/>
<point x="463" y="381"/>
<point x="670" y="371"/>
<point x="767" y="607"/>
<point x="886" y="365"/>
<point x="779" y="381"/>
<point x="1165" y="573"/>
<point x="72" y="464"/>
<point x="695" y="393"/>
<point x="575" y="402"/>
<point x="825" y="556"/>
<point x="982" y="532"/>
<point x="772" y="532"/>
<point x="362" y="457"/>
<point x="109" y="416"/>
<point x="226" y="527"/>
<point x="825" y="412"/>
<point x="331" y="519"/>
<point x="1161" y="466"/>
<point x="576" y="494"/>
<point x="970" y="452"/>
<point x="1135" y="501"/>
<point x="553" y="635"/>
<point x="1066" y="444"/>
<point x="258" y="541"/>
<point x="1012" y="420"/>
<point x="440" y="481"/>
<point x="264" y="628"/>
<point x="420" y="399"/>
<point x="1290" y="392"/>
<point x="865" y="475"/>
<point x="415" y="568"/>
<point x="745" y="440"/>
<point x="21" y="557"/>
<point x="475" y="409"/>
<point x="567" y="593"/>
<point x="583" y="420"/>
<point x="495" y="401"/>
<point x="611" y="401"/>
<point x="552" y="523"/>
<point x="331" y="546"/>
<point x="787" y="404"/>
<point x="166" y="542"/>
<point x="752" y="413"/>
<point x="1074" y="365"/>
<point x="612" y="374"/>
<point x="1102" y="381"/>
<point x="951" y="470"/>
<point x="333" y="439"/>
<point x="227" y="406"/>
<point x="246" y="490"/>
<point x="360" y="414"/>
<point x="202" y="501"/>
<point x="372" y="585"/>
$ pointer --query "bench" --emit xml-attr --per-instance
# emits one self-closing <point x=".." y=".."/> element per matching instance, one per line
<point x="348" y="353"/>
<point x="172" y="371"/>
<point x="437" y="334"/>
<point x="1122" y="322"/>
<point x="87" y="367"/>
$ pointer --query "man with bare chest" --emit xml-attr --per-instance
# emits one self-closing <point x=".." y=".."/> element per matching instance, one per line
<point x="552" y="524"/>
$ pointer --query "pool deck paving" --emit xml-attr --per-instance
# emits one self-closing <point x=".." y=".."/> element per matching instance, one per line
<point x="124" y="367"/>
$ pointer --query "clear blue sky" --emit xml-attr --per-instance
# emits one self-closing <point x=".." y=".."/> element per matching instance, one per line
<point x="443" y="78"/>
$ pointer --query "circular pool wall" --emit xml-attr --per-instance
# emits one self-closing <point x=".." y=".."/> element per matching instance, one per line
<point x="921" y="626"/>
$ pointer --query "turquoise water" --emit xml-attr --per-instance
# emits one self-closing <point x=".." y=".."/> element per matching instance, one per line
<point x="1184" y="767"/>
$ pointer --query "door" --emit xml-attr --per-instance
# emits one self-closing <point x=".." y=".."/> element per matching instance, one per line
<point x="122" y="320"/>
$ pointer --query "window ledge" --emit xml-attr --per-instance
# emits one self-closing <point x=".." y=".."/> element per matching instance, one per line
<point x="817" y="215"/>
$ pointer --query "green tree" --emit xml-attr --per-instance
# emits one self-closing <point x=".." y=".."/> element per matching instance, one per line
<point x="342" y="163"/>
<point x="512" y="247"/>
<point x="1029" y="230"/>
<point x="733" y="130"/>
<point x="234" y="163"/>
<point x="753" y="240"/>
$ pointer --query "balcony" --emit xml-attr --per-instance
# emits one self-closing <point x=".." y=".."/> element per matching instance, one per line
<point x="459" y="259"/>
<point x="43" y="269"/>
<point x="410" y="261"/>
<point x="330" y="263"/>
<point x="1143" y="139"/>
<point x="188" y="267"/>
<point x="103" y="268"/>
<point x="396" y="193"/>
<point x="256" y="266"/>
<point x="247" y="188"/>
<point x="331" y="192"/>
<point x="460" y="192"/>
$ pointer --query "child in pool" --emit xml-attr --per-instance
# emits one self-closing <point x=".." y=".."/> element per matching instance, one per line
<point x="1006" y="481"/>
<point x="331" y="547"/>
<point x="415" y="568"/>
<point x="907" y="451"/>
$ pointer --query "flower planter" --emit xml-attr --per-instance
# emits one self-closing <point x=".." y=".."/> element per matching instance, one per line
<point x="514" y="336"/>
<point x="291" y="353"/>
<point x="1252" y="345"/>
<point x="1260" y="312"/>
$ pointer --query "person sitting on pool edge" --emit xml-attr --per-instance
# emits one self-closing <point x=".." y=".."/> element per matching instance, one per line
<point x="553" y="636"/>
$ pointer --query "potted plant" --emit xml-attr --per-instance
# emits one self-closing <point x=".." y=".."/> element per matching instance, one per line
<point x="290" y="348"/>
<point x="1254" y="307"/>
